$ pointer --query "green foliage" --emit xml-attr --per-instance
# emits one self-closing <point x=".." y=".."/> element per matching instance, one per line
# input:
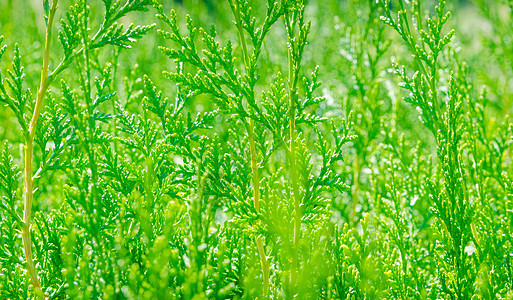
<point x="201" y="157"/>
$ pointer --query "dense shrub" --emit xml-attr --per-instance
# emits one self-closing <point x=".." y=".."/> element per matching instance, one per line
<point x="256" y="149"/>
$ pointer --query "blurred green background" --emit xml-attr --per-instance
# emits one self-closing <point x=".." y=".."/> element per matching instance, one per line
<point x="483" y="31"/>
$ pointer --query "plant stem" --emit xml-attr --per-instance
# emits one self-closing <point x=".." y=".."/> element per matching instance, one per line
<point x="264" y="264"/>
<point x="356" y="187"/>
<point x="241" y="34"/>
<point x="254" y="167"/>
<point x="29" y="152"/>
<point x="292" y="169"/>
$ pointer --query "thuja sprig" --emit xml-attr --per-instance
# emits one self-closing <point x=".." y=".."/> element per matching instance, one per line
<point x="217" y="72"/>
<point x="206" y="67"/>
<point x="16" y="100"/>
<point x="442" y="114"/>
<point x="426" y="45"/>
<point x="10" y="253"/>
<point x="365" y="52"/>
<point x="109" y="32"/>
<point x="250" y="127"/>
<point x="297" y="33"/>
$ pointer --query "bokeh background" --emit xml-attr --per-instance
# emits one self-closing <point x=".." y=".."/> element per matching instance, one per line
<point x="483" y="30"/>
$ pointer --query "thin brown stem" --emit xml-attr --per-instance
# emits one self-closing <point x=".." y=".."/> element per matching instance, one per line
<point x="264" y="264"/>
<point x="355" y="188"/>
<point x="254" y="166"/>
<point x="29" y="152"/>
<point x="293" y="173"/>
